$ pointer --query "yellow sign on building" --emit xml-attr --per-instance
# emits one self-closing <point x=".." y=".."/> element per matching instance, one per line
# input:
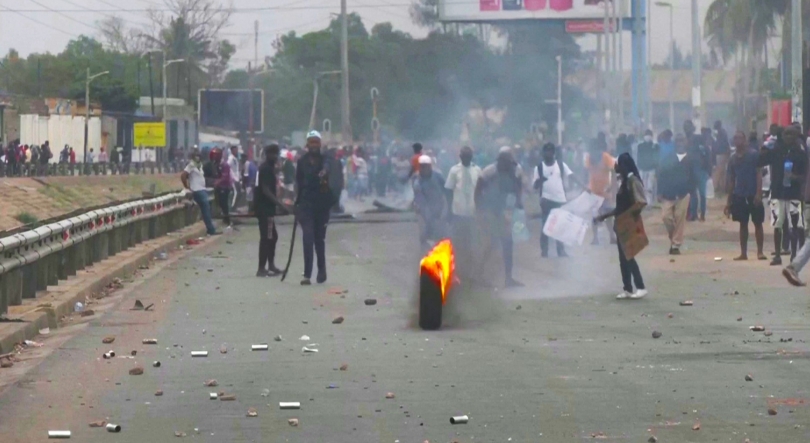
<point x="149" y="135"/>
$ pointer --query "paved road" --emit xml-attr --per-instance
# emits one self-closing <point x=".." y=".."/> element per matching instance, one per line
<point x="557" y="361"/>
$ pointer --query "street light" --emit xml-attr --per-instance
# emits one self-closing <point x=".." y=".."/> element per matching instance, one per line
<point x="166" y="64"/>
<point x="671" y="62"/>
<point x="251" y="76"/>
<point x="90" y="78"/>
<point x="315" y="94"/>
<point x="558" y="101"/>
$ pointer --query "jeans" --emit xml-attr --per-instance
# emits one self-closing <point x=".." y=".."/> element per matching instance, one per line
<point x="221" y="196"/>
<point x="630" y="272"/>
<point x="201" y="198"/>
<point x="268" y="237"/>
<point x="699" y="190"/>
<point x="545" y="207"/>
<point x="313" y="227"/>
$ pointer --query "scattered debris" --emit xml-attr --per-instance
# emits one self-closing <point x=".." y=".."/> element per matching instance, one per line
<point x="768" y="333"/>
<point x="98" y="424"/>
<point x="344" y="367"/>
<point x="113" y="427"/>
<point x="109" y="355"/>
<point x="337" y="321"/>
<point x="211" y="383"/>
<point x="278" y="338"/>
<point x="88" y="313"/>
<point x="227" y="397"/>
<point x="33" y="344"/>
<point x="656" y="334"/>
<point x="178" y="433"/>
<point x="292" y="422"/>
<point x="757" y="328"/>
<point x="749" y="377"/>
<point x="696" y="426"/>
<point x="652" y="439"/>
<point x="262" y="347"/>
<point x="309" y="350"/>
<point x="137" y="370"/>
<point x="739" y="318"/>
<point x="338" y="291"/>
<point x="772" y="411"/>
<point x="390" y="395"/>
<point x="149" y="341"/>
<point x="265" y="392"/>
<point x="370" y="301"/>
<point x="599" y="435"/>
<point x="58" y="434"/>
<point x="252" y="412"/>
<point x="459" y="420"/>
<point x="289" y="405"/>
<point x="213" y="396"/>
<point x="78" y="307"/>
<point x="108" y="340"/>
<point x="303" y="338"/>
<point x="223" y="349"/>
<point x="138" y="306"/>
<point x="718" y="259"/>
<point x="687" y="303"/>
<point x="155" y="364"/>
<point x="158" y="393"/>
<point x="133" y="353"/>
<point x="199" y="353"/>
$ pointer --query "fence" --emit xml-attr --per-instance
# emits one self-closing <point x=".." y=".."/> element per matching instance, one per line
<point x="32" y="260"/>
<point x="69" y="169"/>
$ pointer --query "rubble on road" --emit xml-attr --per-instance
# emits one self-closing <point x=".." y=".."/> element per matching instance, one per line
<point x="149" y="341"/>
<point x="137" y="370"/>
<point x="158" y="393"/>
<point x="749" y="377"/>
<point x="687" y="303"/>
<point x="656" y="334"/>
<point x="98" y="424"/>
<point x="211" y="383"/>
<point x="337" y="321"/>
<point x="344" y="367"/>
<point x="292" y="422"/>
<point x="390" y="395"/>
<point x="772" y="411"/>
<point x="227" y="397"/>
<point x="370" y="301"/>
<point x="757" y="328"/>
<point x="179" y="434"/>
<point x="108" y="340"/>
<point x="252" y="412"/>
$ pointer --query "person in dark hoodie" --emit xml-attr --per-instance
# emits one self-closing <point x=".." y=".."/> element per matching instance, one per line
<point x="698" y="148"/>
<point x="677" y="180"/>
<point x="649" y="156"/>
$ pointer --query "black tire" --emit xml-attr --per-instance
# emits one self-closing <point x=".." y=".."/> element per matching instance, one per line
<point x="430" y="304"/>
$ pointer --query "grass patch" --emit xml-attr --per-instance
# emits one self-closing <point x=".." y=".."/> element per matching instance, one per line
<point x="27" y="218"/>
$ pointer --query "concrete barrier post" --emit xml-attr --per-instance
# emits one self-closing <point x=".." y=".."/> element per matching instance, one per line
<point x="41" y="271"/>
<point x="61" y="264"/>
<point x="29" y="281"/>
<point x="12" y="287"/>
<point x="54" y="261"/>
<point x="103" y="245"/>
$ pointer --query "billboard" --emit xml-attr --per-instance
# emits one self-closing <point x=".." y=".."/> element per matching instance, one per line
<point x="494" y="10"/>
<point x="148" y="134"/>
<point x="230" y="109"/>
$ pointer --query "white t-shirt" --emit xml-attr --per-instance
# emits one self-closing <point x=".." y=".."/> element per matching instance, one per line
<point x="361" y="165"/>
<point x="553" y="188"/>
<point x="196" y="179"/>
<point x="462" y="180"/>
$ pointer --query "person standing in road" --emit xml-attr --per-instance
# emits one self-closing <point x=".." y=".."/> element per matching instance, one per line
<point x="498" y="193"/>
<point x="674" y="186"/>
<point x="549" y="179"/>
<point x="417" y="152"/>
<point x="649" y="158"/>
<point x="314" y="201"/>
<point x="788" y="167"/>
<point x="233" y="164"/>
<point x="461" y="181"/>
<point x="721" y="151"/>
<point x="223" y="184"/>
<point x="249" y="172"/>
<point x="193" y="180"/>
<point x="266" y="202"/>
<point x="600" y="165"/>
<point x="630" y="197"/>
<point x="744" y="189"/>
<point x="429" y="201"/>
<point x="698" y="149"/>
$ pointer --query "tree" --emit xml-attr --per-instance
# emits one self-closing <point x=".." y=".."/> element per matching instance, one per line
<point x="119" y="38"/>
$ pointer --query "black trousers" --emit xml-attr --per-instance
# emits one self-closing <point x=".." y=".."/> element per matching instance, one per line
<point x="268" y="238"/>
<point x="546" y="206"/>
<point x="630" y="272"/>
<point x="221" y="196"/>
<point x="313" y="226"/>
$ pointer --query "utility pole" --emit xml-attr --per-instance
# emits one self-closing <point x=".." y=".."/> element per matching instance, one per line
<point x="560" y="127"/>
<point x="697" y="67"/>
<point x="345" y="109"/>
<point x="620" y="33"/>
<point x="90" y="78"/>
<point x="166" y="64"/>
<point x="671" y="62"/>
<point x="796" y="65"/>
<point x="151" y="90"/>
<point x="606" y="103"/>
<point x="256" y="44"/>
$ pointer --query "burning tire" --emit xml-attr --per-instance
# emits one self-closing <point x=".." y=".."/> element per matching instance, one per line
<point x="430" y="303"/>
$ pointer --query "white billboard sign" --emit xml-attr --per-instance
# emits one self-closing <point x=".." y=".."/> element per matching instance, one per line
<point x="492" y="10"/>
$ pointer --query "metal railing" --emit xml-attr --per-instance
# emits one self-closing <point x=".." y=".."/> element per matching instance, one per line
<point x="72" y="169"/>
<point x="32" y="260"/>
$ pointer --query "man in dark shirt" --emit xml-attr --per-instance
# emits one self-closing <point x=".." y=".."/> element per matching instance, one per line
<point x="314" y="199"/>
<point x="721" y="150"/>
<point x="698" y="148"/>
<point x="677" y="180"/>
<point x="788" y="167"/>
<point x="744" y="189"/>
<point x="648" y="160"/>
<point x="266" y="201"/>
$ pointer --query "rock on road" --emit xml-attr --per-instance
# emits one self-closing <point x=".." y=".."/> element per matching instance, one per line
<point x="570" y="363"/>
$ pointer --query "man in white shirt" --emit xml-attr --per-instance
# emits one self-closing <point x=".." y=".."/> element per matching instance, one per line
<point x="233" y="162"/>
<point x="194" y="180"/>
<point x="461" y="181"/>
<point x="549" y="180"/>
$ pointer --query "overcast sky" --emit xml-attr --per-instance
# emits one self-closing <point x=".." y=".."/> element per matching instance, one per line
<point x="47" y="25"/>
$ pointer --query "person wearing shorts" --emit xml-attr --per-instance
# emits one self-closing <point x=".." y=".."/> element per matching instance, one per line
<point x="744" y="187"/>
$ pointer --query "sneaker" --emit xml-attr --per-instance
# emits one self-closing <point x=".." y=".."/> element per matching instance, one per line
<point x="640" y="293"/>
<point x="274" y="269"/>
<point x="777" y="261"/>
<point x="623" y="295"/>
<point x="321" y="277"/>
<point x="261" y="273"/>
<point x="674" y="251"/>
<point x="306" y="282"/>
<point x="793" y="277"/>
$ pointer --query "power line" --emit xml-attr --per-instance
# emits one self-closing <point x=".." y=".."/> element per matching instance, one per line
<point x="64" y="15"/>
<point x="235" y="10"/>
<point x="39" y="22"/>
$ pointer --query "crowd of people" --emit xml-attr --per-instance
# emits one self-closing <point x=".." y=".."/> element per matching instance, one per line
<point x="453" y="196"/>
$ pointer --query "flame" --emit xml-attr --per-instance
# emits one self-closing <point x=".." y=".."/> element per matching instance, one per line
<point x="440" y="264"/>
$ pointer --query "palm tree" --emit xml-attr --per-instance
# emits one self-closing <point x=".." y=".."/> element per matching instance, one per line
<point x="739" y="30"/>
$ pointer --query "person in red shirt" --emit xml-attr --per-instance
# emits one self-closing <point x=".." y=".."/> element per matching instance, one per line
<point x="417" y="152"/>
<point x="72" y="155"/>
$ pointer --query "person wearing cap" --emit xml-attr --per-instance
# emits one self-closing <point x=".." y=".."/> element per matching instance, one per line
<point x="461" y="181"/>
<point x="429" y="203"/>
<point x="498" y="193"/>
<point x="314" y="200"/>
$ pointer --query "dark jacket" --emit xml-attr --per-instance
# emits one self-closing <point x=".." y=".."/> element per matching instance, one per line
<point x="648" y="156"/>
<point x="677" y="178"/>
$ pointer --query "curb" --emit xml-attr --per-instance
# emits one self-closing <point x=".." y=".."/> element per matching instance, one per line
<point x="48" y="317"/>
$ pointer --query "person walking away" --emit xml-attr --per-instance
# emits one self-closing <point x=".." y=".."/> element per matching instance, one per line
<point x="721" y="151"/>
<point x="314" y="200"/>
<point x="461" y="180"/>
<point x="677" y="179"/>
<point x="193" y="180"/>
<point x="630" y="197"/>
<point x="233" y="164"/>
<point x="701" y="156"/>
<point x="744" y="189"/>
<point x="498" y="192"/>
<point x="788" y="166"/>
<point x="249" y="178"/>
<point x="266" y="202"/>
<point x="429" y="201"/>
<point x="648" y="159"/>
<point x="549" y="179"/>
<point x="223" y="185"/>
<point x="600" y="165"/>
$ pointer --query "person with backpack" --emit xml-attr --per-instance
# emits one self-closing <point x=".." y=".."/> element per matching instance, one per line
<point x="549" y="179"/>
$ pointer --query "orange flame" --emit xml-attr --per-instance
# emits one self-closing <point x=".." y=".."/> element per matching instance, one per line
<point x="440" y="265"/>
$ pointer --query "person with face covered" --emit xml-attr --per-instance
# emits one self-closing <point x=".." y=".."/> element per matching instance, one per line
<point x="630" y="197"/>
<point x="649" y="156"/>
<point x="314" y="200"/>
<point x="497" y="194"/>
<point x="677" y="180"/>
<point x="461" y="181"/>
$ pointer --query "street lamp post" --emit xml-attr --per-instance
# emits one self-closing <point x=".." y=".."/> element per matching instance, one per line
<point x="558" y="102"/>
<point x="251" y="77"/>
<point x="166" y="64"/>
<point x="90" y="78"/>
<point x="315" y="94"/>
<point x="671" y="62"/>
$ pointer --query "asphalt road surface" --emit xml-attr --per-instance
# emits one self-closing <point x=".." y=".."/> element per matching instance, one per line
<point x="557" y="361"/>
